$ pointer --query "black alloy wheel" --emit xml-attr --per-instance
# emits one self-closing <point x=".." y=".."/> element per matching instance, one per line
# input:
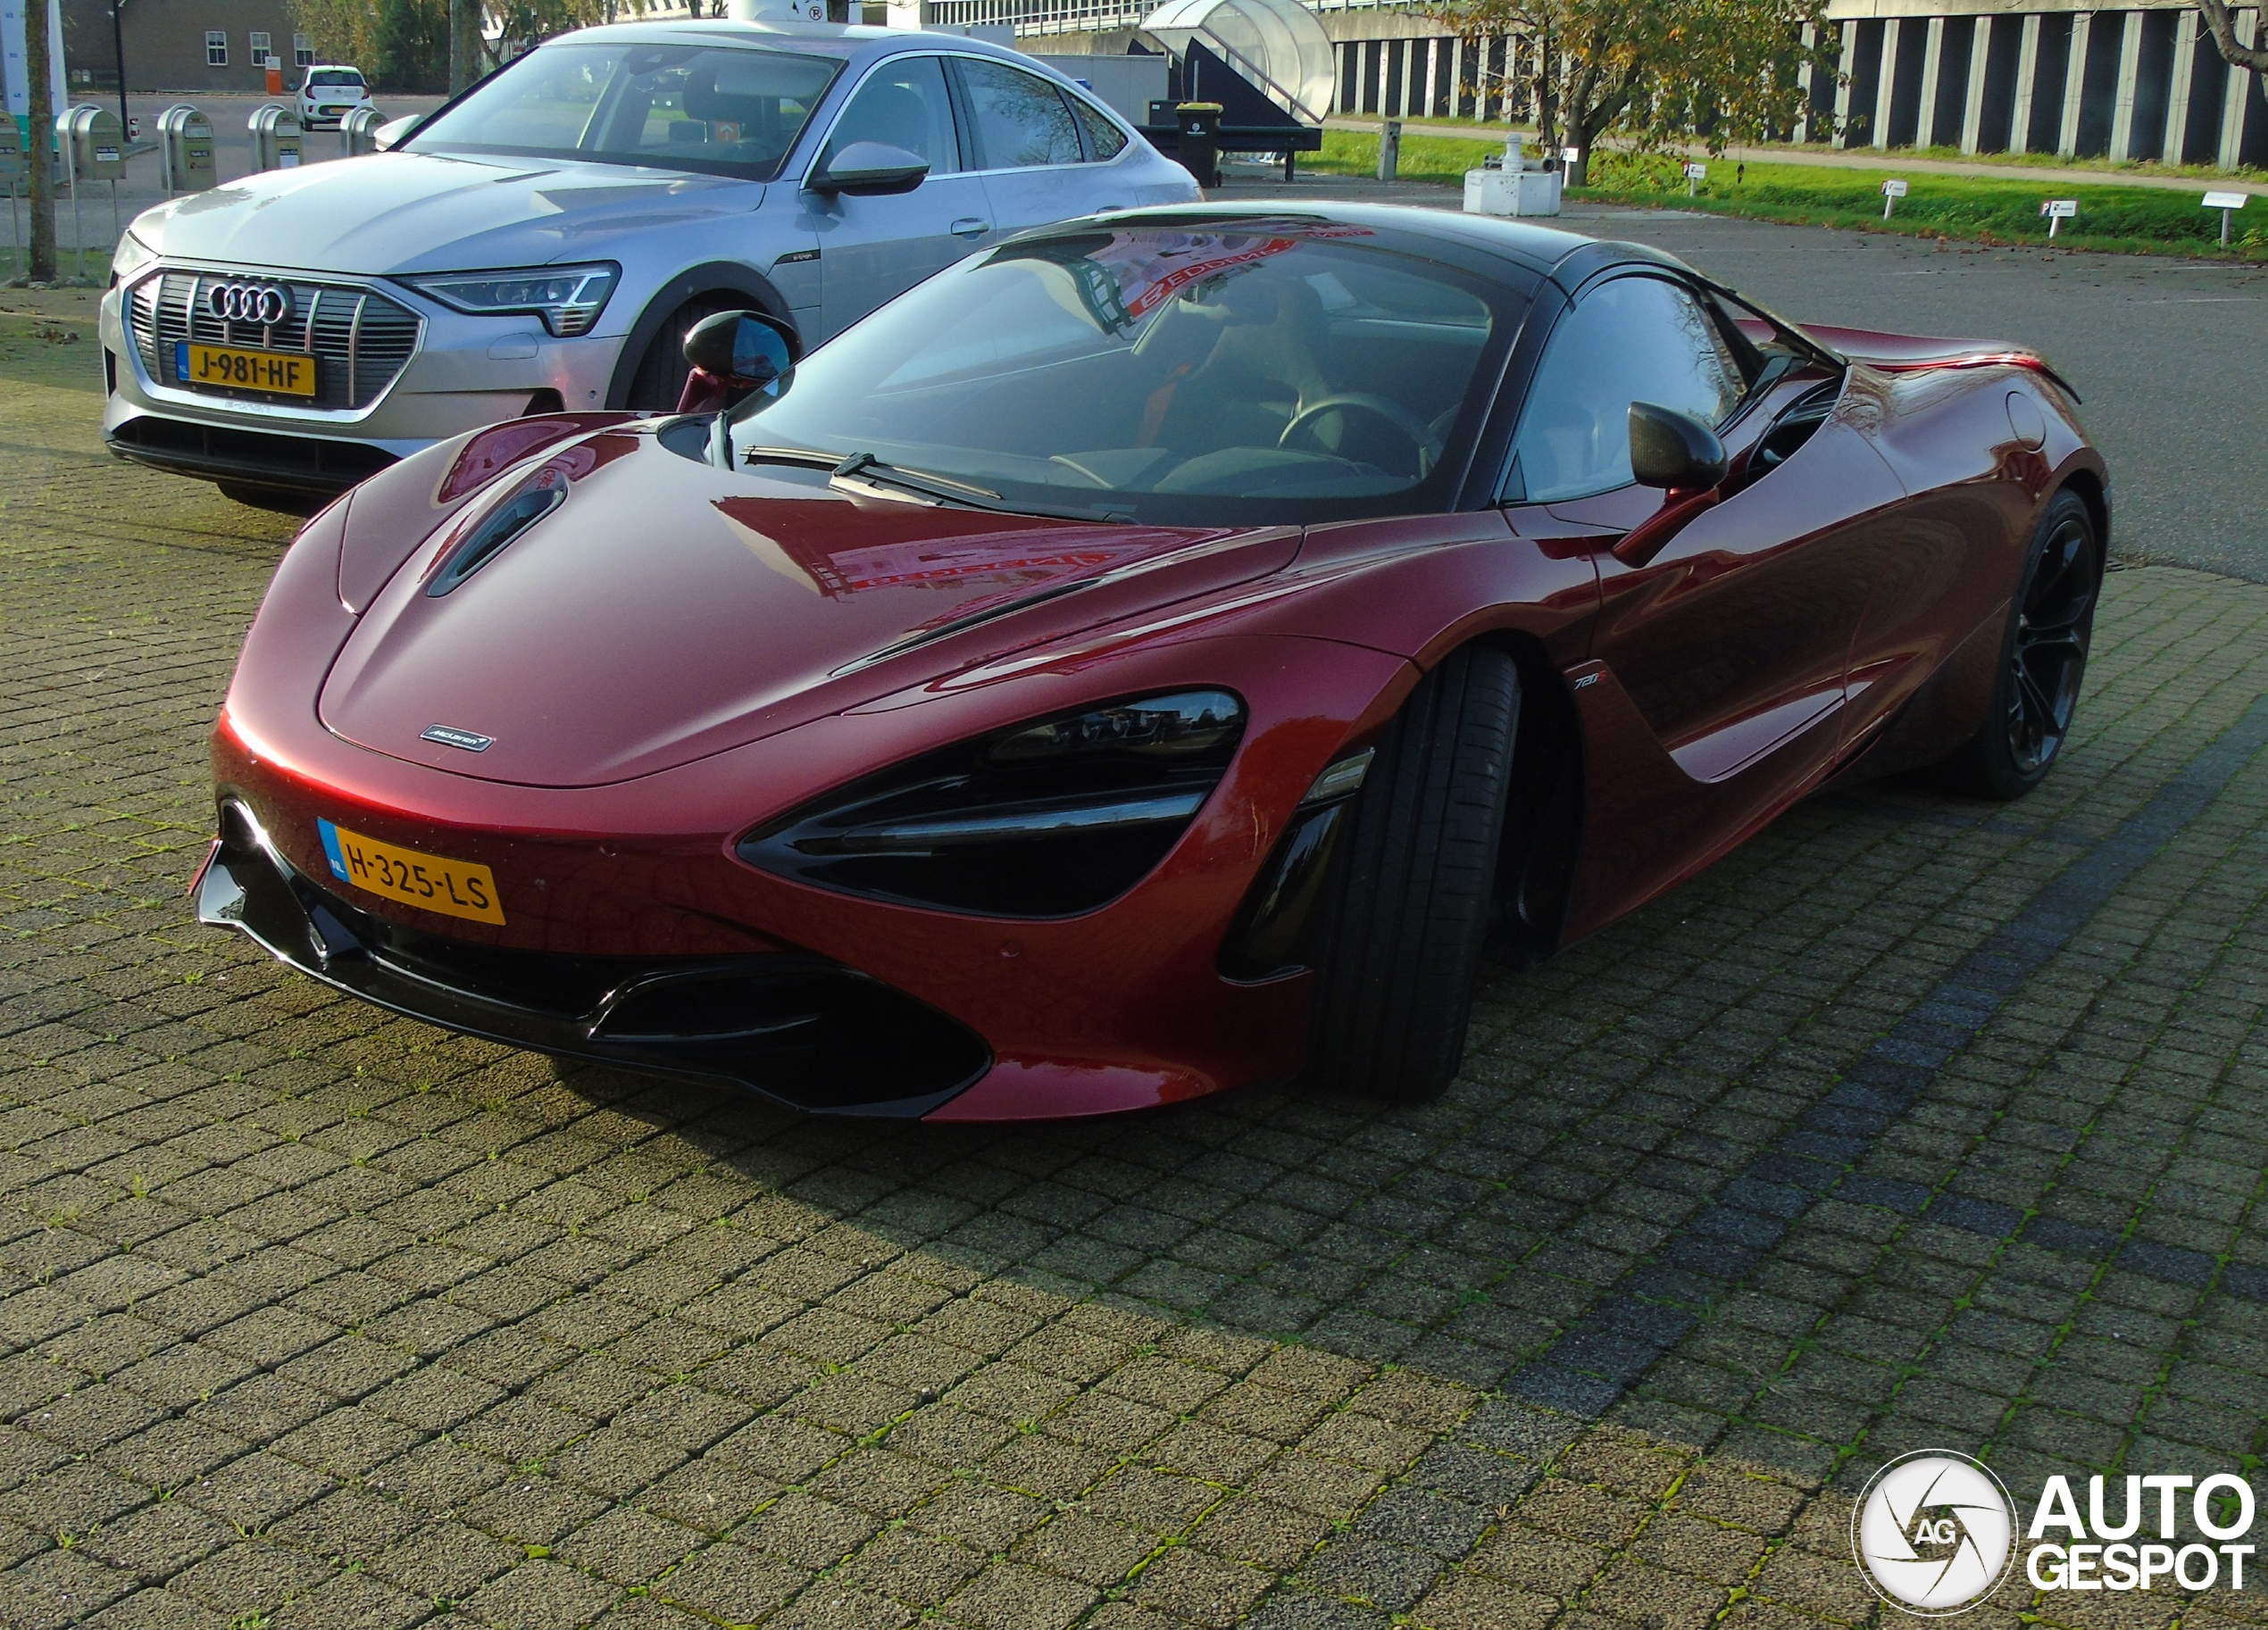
<point x="2043" y="657"/>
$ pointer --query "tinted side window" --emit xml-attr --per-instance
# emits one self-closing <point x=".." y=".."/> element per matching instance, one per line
<point x="1021" y="118"/>
<point x="1635" y="339"/>
<point x="903" y="104"/>
<point x="1105" y="140"/>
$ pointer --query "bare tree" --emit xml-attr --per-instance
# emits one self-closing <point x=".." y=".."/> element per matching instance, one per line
<point x="39" y="108"/>
<point x="2218" y="19"/>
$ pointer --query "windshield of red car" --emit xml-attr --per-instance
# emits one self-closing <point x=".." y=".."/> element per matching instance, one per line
<point x="1252" y="373"/>
<point x="725" y="110"/>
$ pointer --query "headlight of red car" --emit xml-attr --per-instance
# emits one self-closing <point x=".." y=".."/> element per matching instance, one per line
<point x="1044" y="819"/>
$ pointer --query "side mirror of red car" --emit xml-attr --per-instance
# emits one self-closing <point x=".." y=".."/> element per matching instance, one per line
<point x="731" y="353"/>
<point x="1674" y="449"/>
<point x="1678" y="452"/>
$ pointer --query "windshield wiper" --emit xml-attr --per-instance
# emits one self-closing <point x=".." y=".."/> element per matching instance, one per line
<point x="866" y="467"/>
<point x="856" y="469"/>
<point x="863" y="469"/>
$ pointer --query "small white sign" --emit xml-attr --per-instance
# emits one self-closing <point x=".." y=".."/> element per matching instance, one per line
<point x="1696" y="172"/>
<point x="107" y="155"/>
<point x="2225" y="201"/>
<point x="2059" y="209"/>
<point x="1893" y="188"/>
<point x="1571" y="156"/>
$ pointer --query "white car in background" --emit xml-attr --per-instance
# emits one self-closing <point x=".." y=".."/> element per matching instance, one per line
<point x="328" y="94"/>
<point x="542" y="243"/>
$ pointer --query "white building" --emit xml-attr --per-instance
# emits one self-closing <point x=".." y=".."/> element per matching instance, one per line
<point x="2138" y="81"/>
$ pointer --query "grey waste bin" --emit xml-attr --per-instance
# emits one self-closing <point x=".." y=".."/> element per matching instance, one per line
<point x="93" y="143"/>
<point x="186" y="153"/>
<point x="94" y="149"/>
<point x="275" y="136"/>
<point x="358" y="130"/>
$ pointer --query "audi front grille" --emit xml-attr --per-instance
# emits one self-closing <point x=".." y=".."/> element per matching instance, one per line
<point x="360" y="340"/>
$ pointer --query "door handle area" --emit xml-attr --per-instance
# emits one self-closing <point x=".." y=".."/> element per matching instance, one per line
<point x="969" y="226"/>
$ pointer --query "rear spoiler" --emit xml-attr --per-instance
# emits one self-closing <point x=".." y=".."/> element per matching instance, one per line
<point x="1911" y="353"/>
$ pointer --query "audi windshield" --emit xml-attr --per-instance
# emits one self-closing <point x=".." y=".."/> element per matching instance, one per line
<point x="725" y="110"/>
<point x="1251" y="372"/>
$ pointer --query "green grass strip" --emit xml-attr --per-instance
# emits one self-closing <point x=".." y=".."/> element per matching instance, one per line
<point x="1980" y="209"/>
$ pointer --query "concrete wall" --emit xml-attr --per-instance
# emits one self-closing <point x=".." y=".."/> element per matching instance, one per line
<point x="2138" y="82"/>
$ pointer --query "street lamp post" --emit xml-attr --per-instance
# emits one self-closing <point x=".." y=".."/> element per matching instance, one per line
<point x="118" y="51"/>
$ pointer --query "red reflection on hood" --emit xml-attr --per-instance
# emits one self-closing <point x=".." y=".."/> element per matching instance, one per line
<point x="904" y="547"/>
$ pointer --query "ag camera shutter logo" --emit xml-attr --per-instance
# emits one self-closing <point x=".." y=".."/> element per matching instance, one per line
<point x="1935" y="1533"/>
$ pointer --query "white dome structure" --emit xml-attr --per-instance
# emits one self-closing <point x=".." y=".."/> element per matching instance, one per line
<point x="1277" y="44"/>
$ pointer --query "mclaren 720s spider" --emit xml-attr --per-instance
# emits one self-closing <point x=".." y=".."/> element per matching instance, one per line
<point x="1159" y="653"/>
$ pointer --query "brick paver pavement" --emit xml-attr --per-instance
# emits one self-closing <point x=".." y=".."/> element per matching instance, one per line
<point x="1917" y="1121"/>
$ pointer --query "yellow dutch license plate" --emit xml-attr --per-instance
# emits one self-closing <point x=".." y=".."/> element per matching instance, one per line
<point x="284" y="374"/>
<point x="455" y="888"/>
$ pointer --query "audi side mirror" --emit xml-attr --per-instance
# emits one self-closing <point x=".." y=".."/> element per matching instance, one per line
<point x="871" y="169"/>
<point x="1674" y="449"/>
<point x="390" y="134"/>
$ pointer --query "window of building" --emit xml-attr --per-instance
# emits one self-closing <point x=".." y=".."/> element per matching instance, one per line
<point x="216" y="49"/>
<point x="262" y="46"/>
<point x="303" y="51"/>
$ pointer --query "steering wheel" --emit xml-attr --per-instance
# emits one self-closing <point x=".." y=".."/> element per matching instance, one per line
<point x="1419" y="434"/>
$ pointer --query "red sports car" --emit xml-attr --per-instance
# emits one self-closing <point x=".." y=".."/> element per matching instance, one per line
<point x="1159" y="654"/>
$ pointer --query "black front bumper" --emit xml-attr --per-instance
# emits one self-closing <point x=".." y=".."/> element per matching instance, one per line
<point x="315" y="466"/>
<point x="802" y="1031"/>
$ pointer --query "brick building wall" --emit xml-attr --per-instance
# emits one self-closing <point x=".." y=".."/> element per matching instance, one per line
<point x="172" y="45"/>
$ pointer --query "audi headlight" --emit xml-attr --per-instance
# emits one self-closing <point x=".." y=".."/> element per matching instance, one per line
<point x="1044" y="819"/>
<point x="129" y="257"/>
<point x="568" y="298"/>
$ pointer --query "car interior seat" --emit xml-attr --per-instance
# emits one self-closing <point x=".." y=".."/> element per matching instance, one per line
<point x="1264" y="364"/>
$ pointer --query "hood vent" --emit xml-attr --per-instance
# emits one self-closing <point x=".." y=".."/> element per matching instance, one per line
<point x="503" y="523"/>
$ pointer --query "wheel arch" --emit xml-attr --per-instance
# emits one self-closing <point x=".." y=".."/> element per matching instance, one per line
<point x="715" y="277"/>
<point x="2094" y="492"/>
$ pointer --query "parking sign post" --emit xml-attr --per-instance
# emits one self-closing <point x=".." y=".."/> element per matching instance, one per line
<point x="1893" y="190"/>
<point x="2228" y="204"/>
<point x="2058" y="210"/>
<point x="1695" y="174"/>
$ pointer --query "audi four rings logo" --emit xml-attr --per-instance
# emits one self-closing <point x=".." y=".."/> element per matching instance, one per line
<point x="265" y="304"/>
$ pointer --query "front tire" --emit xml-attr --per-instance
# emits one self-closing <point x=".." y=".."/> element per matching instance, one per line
<point x="2043" y="657"/>
<point x="1394" y="990"/>
<point x="660" y="378"/>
